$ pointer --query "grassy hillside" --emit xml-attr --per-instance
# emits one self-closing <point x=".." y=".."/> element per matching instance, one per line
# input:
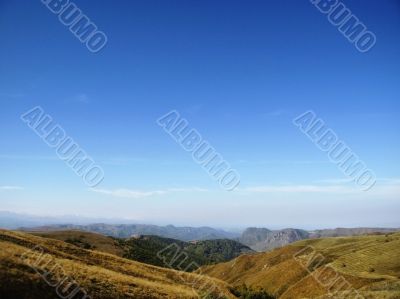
<point x="369" y="265"/>
<point x="145" y="248"/>
<point x="85" y="240"/>
<point x="100" y="274"/>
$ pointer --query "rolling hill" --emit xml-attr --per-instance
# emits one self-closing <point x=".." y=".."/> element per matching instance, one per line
<point x="342" y="267"/>
<point x="33" y="267"/>
<point x="145" y="248"/>
<point x="365" y="266"/>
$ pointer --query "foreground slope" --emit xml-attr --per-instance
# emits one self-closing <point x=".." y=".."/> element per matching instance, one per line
<point x="145" y="248"/>
<point x="317" y="268"/>
<point x="99" y="274"/>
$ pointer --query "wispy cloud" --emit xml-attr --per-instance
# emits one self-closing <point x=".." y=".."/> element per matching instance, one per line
<point x="275" y="113"/>
<point x="389" y="181"/>
<point x="79" y="98"/>
<point x="380" y="181"/>
<point x="300" y="189"/>
<point x="11" y="188"/>
<point x="194" y="109"/>
<point x="27" y="157"/>
<point x="127" y="193"/>
<point x="385" y="187"/>
<point x="12" y="95"/>
<point x="281" y="162"/>
<point x="335" y="181"/>
<point x="136" y="194"/>
<point x="82" y="98"/>
<point x="193" y="189"/>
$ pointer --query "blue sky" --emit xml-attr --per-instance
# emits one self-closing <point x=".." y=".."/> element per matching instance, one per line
<point x="239" y="73"/>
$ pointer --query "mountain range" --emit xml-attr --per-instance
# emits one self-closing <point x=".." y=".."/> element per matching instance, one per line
<point x="258" y="239"/>
<point x="132" y="230"/>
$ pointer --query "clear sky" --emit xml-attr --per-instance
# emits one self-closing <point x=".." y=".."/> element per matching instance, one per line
<point x="239" y="72"/>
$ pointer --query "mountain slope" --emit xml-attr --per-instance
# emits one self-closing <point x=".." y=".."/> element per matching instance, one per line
<point x="145" y="248"/>
<point x="369" y="265"/>
<point x="99" y="274"/>
<point x="85" y="240"/>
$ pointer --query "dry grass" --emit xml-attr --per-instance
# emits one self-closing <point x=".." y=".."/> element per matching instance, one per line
<point x="370" y="264"/>
<point x="102" y="275"/>
<point x="98" y="241"/>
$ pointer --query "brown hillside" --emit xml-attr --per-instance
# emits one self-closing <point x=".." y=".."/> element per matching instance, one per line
<point x="84" y="239"/>
<point x="99" y="274"/>
<point x="368" y="266"/>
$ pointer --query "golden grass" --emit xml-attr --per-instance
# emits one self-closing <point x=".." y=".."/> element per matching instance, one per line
<point x="370" y="264"/>
<point x="102" y="275"/>
<point x="100" y="242"/>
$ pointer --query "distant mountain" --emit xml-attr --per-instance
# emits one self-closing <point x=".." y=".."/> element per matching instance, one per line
<point x="11" y="220"/>
<point x="262" y="239"/>
<point x="145" y="248"/>
<point x="258" y="239"/>
<point x="131" y="230"/>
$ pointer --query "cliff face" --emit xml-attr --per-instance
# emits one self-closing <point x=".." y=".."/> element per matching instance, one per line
<point x="262" y="239"/>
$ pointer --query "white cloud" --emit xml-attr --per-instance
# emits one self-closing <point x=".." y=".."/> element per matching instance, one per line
<point x="79" y="98"/>
<point x="25" y="157"/>
<point x="384" y="188"/>
<point x="126" y="193"/>
<point x="335" y="181"/>
<point x="194" y="189"/>
<point x="300" y="189"/>
<point x="82" y="98"/>
<point x="11" y="188"/>
<point x="274" y="113"/>
<point x="129" y="193"/>
<point x="13" y="95"/>
<point x="389" y="181"/>
<point x="279" y="162"/>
